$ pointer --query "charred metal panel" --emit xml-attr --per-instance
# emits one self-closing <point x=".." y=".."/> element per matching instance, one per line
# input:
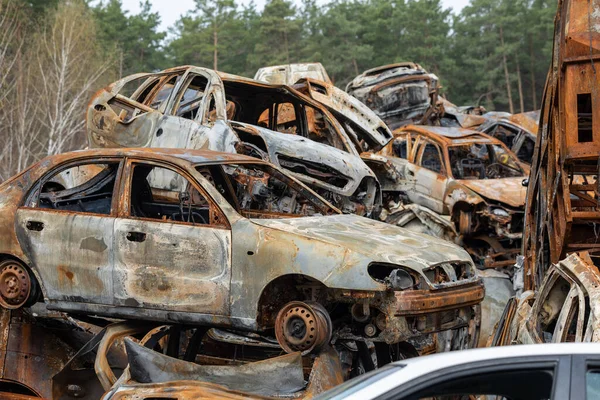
<point x="176" y="267"/>
<point x="72" y="252"/>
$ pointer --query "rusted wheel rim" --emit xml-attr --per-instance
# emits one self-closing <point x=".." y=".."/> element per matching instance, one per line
<point x="15" y="286"/>
<point x="302" y="327"/>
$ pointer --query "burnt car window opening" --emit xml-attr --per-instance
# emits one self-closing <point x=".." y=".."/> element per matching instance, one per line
<point x="162" y="194"/>
<point x="287" y="121"/>
<point x="431" y="158"/>
<point x="130" y="88"/>
<point x="482" y="161"/>
<point x="190" y="100"/>
<point x="83" y="188"/>
<point x="260" y="190"/>
<point x="400" y="147"/>
<point x="551" y="308"/>
<point x="525" y="152"/>
<point x="320" y="130"/>
<point x="164" y="92"/>
<point x="505" y="134"/>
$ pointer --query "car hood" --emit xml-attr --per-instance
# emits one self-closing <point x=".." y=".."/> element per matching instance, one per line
<point x="509" y="191"/>
<point x="377" y="241"/>
<point x="351" y="166"/>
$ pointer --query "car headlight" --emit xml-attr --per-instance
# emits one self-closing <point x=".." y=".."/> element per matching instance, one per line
<point x="394" y="276"/>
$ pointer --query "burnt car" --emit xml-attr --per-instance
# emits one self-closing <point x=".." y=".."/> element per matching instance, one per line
<point x="288" y="74"/>
<point x="512" y="132"/>
<point x="201" y="237"/>
<point x="470" y="177"/>
<point x="400" y="94"/>
<point x="197" y="108"/>
<point x="563" y="309"/>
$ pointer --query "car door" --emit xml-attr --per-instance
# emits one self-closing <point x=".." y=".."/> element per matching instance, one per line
<point x="186" y="122"/>
<point x="172" y="243"/>
<point x="585" y="377"/>
<point x="66" y="230"/>
<point x="430" y="176"/>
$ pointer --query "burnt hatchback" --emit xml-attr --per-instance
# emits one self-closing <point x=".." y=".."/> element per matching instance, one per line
<point x="225" y="240"/>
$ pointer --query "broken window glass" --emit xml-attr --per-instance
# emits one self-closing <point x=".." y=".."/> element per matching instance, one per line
<point x="163" y="194"/>
<point x="482" y="161"/>
<point x="84" y="188"/>
<point x="262" y="192"/>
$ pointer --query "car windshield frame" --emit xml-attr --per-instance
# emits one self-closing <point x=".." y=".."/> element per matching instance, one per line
<point x="491" y="148"/>
<point x="325" y="207"/>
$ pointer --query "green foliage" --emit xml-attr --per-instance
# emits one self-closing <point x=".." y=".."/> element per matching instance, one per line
<point x="491" y="46"/>
<point x="135" y="38"/>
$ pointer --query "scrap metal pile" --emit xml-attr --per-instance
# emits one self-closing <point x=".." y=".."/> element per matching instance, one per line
<point x="227" y="237"/>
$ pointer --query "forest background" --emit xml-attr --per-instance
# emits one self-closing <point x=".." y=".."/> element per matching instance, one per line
<point x="54" y="54"/>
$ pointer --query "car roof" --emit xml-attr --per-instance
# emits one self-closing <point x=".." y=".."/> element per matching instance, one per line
<point x="456" y="358"/>
<point x="449" y="135"/>
<point x="189" y="155"/>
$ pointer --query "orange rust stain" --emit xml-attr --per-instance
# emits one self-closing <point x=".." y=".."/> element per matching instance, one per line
<point x="63" y="273"/>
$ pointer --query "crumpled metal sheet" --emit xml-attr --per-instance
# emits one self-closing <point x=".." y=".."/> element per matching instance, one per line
<point x="276" y="376"/>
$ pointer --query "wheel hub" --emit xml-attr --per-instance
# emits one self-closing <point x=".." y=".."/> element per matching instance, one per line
<point x="15" y="286"/>
<point x="302" y="327"/>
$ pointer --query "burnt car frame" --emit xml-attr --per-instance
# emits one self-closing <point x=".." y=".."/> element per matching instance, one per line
<point x="198" y="108"/>
<point x="179" y="235"/>
<point x="485" y="202"/>
<point x="517" y="138"/>
<point x="400" y="94"/>
<point x="565" y="307"/>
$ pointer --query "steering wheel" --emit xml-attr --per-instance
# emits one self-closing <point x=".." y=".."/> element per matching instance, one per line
<point x="493" y="170"/>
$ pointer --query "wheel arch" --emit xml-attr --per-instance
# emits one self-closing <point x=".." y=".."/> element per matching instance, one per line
<point x="38" y="282"/>
<point x="272" y="298"/>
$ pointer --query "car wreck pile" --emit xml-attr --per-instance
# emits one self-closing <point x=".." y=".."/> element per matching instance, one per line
<point x="235" y="238"/>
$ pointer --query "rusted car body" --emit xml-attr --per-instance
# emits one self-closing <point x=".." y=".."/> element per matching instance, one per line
<point x="515" y="132"/>
<point x="565" y="307"/>
<point x="289" y="74"/>
<point x="466" y="175"/>
<point x="400" y="94"/>
<point x="198" y="108"/>
<point x="215" y="239"/>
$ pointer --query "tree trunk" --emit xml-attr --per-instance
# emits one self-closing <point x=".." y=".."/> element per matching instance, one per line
<point x="215" y="44"/>
<point x="287" y="49"/>
<point x="520" y="86"/>
<point x="355" y="66"/>
<point x="506" y="75"/>
<point x="532" y="61"/>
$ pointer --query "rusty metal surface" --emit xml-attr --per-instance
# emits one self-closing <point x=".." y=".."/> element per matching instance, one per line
<point x="273" y="258"/>
<point x="562" y="211"/>
<point x="486" y="209"/>
<point x="565" y="307"/>
<point x="150" y="118"/>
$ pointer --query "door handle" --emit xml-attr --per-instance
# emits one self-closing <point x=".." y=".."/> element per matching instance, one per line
<point x="136" y="236"/>
<point x="34" y="226"/>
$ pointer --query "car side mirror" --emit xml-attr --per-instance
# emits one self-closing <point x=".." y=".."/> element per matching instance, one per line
<point x="525" y="182"/>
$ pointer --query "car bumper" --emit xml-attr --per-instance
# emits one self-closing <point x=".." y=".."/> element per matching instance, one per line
<point x="418" y="302"/>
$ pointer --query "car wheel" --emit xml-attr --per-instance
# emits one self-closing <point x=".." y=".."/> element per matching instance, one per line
<point x="303" y="327"/>
<point x="16" y="285"/>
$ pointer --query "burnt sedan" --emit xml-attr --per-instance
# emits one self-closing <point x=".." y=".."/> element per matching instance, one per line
<point x="210" y="238"/>
<point x="470" y="177"/>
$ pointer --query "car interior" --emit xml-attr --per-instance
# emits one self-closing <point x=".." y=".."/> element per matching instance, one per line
<point x="83" y="188"/>
<point x="163" y="194"/>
